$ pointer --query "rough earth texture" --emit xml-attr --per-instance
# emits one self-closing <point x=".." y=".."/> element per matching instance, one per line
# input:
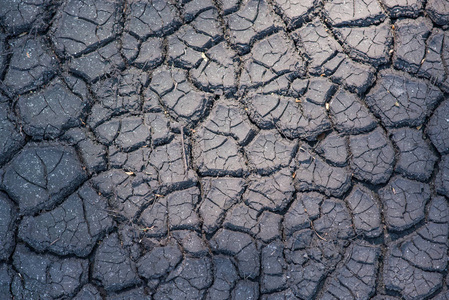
<point x="212" y="149"/>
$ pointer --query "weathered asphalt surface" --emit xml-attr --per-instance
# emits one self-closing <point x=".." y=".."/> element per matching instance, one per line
<point x="278" y="149"/>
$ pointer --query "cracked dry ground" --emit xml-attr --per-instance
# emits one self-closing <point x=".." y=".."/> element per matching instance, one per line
<point x="278" y="149"/>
